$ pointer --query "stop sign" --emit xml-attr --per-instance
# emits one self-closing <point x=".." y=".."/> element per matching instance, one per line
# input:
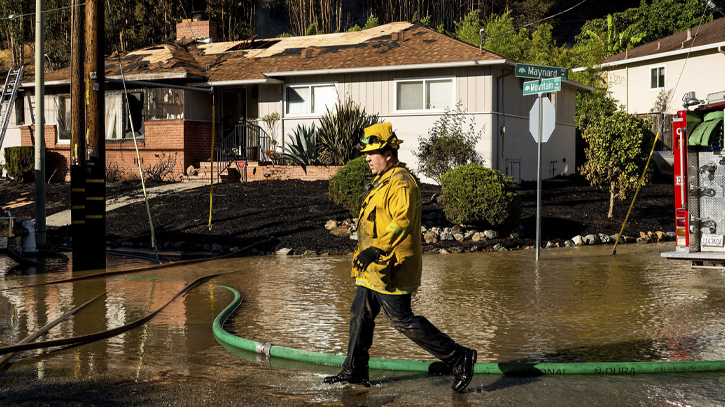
<point x="549" y="120"/>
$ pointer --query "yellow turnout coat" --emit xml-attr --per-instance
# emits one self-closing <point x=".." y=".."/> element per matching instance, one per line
<point x="390" y="220"/>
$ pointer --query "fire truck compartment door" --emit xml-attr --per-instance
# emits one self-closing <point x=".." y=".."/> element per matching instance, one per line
<point x="709" y="131"/>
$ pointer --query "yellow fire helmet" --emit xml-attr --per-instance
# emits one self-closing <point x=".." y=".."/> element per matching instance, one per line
<point x="378" y="136"/>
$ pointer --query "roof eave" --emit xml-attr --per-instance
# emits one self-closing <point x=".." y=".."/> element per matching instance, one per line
<point x="242" y="82"/>
<point x="433" y="65"/>
<point x="132" y="77"/>
<point x="706" y="47"/>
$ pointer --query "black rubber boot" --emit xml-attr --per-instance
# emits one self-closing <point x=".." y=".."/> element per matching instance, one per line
<point x="343" y="377"/>
<point x="463" y="371"/>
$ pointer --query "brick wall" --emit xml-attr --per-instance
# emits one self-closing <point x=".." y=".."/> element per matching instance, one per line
<point x="57" y="155"/>
<point x="196" y="29"/>
<point x="167" y="142"/>
<point x="261" y="171"/>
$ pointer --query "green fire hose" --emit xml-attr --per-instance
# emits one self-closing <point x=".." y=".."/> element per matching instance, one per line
<point x="512" y="369"/>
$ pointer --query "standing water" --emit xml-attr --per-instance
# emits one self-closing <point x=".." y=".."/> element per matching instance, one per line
<point x="575" y="305"/>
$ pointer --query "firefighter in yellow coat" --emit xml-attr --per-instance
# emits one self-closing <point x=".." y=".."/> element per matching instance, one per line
<point x="387" y="266"/>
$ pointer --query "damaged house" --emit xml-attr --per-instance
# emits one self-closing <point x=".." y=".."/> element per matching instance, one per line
<point x="406" y="73"/>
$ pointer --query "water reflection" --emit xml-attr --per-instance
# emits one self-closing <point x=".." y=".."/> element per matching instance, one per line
<point x="575" y="305"/>
<point x="579" y="305"/>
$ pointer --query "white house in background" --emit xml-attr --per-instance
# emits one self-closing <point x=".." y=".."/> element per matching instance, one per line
<point x="644" y="79"/>
<point x="12" y="133"/>
<point x="406" y="73"/>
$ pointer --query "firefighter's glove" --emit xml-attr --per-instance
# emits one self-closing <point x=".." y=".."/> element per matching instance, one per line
<point x="367" y="256"/>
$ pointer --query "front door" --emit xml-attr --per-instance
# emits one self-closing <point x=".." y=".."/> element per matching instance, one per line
<point x="234" y="110"/>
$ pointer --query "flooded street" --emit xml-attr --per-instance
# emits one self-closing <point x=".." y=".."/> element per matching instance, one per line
<point x="575" y="305"/>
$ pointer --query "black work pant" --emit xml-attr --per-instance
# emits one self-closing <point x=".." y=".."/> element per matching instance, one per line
<point x="367" y="305"/>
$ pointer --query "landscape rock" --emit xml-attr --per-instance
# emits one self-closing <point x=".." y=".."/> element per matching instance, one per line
<point x="216" y="247"/>
<point x="549" y="244"/>
<point x="458" y="236"/>
<point x="605" y="239"/>
<point x="443" y="251"/>
<point x="353" y="236"/>
<point x="430" y="237"/>
<point x="477" y="237"/>
<point x="628" y="239"/>
<point x="455" y="249"/>
<point x="569" y="243"/>
<point x="490" y="234"/>
<point x="661" y="236"/>
<point x="447" y="236"/>
<point x="468" y="235"/>
<point x="591" y="239"/>
<point x="284" y="251"/>
<point x="671" y="235"/>
<point x="330" y="224"/>
<point x="578" y="240"/>
<point x="500" y="248"/>
<point x="340" y="232"/>
<point x="191" y="171"/>
<point x="644" y="239"/>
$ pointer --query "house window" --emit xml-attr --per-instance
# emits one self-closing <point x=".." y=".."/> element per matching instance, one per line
<point x="19" y="110"/>
<point x="657" y="77"/>
<point x="310" y="99"/>
<point x="122" y="118"/>
<point x="62" y="117"/>
<point x="424" y="94"/>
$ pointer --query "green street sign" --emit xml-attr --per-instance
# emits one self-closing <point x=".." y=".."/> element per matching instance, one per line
<point x="541" y="72"/>
<point x="541" y="86"/>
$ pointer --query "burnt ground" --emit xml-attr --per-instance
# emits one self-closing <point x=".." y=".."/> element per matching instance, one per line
<point x="292" y="214"/>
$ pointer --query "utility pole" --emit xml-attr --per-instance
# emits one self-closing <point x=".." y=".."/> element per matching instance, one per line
<point x="39" y="123"/>
<point x="78" y="140"/>
<point x="95" y="186"/>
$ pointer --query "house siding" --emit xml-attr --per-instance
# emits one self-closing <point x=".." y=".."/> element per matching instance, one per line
<point x="629" y="83"/>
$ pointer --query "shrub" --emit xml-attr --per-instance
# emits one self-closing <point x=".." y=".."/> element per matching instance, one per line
<point x="20" y="163"/>
<point x="448" y="145"/>
<point x="163" y="170"/>
<point x="476" y="195"/>
<point x="347" y="186"/>
<point x="341" y="130"/>
<point x="302" y="148"/>
<point x="114" y="172"/>
<point x="618" y="151"/>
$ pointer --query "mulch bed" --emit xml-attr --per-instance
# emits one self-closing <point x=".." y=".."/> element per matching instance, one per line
<point x="292" y="214"/>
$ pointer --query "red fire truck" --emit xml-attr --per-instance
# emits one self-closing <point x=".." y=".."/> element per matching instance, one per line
<point x="699" y="169"/>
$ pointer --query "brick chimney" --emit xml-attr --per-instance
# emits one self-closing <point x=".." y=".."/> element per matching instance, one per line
<point x="196" y="28"/>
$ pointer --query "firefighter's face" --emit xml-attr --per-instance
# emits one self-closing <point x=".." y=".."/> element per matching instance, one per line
<point x="379" y="162"/>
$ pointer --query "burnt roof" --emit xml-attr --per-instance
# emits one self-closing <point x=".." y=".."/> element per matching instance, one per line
<point x="394" y="44"/>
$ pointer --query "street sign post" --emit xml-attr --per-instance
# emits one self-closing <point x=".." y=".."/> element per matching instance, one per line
<point x="541" y="72"/>
<point x="542" y="86"/>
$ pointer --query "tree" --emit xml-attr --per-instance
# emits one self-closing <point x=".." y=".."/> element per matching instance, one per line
<point x="15" y="31"/>
<point x="614" y="41"/>
<point x="448" y="145"/>
<point x="618" y="149"/>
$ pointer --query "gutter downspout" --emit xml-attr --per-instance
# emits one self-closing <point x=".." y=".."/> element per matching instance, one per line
<point x="500" y="130"/>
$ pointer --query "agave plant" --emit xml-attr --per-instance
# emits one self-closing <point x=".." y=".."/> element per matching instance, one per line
<point x="302" y="149"/>
<point x="341" y="130"/>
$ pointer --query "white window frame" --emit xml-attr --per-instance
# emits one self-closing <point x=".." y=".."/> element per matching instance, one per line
<point x="56" y="100"/>
<point x="309" y="86"/>
<point x="424" y="80"/>
<point x="649" y="77"/>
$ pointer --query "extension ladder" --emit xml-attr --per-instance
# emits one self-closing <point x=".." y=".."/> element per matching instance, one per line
<point x="9" y="91"/>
